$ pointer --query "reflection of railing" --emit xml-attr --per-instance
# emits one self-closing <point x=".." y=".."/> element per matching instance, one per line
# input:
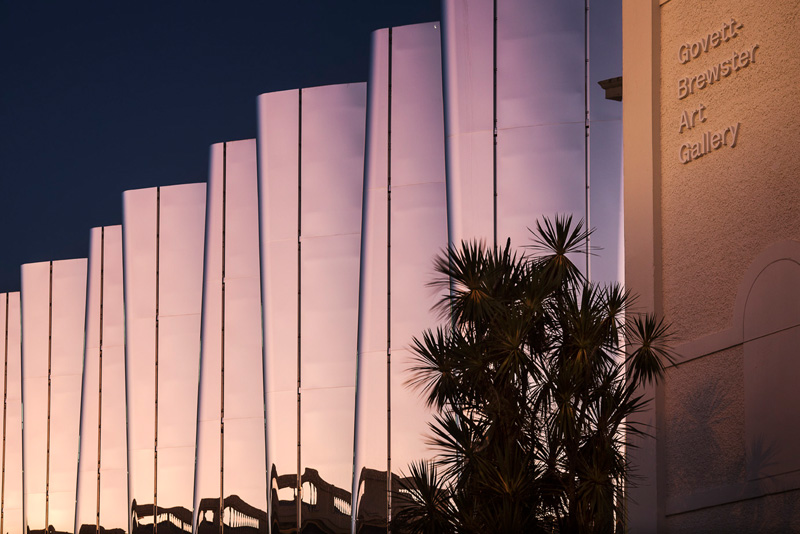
<point x="237" y="516"/>
<point x="170" y="520"/>
<point x="324" y="505"/>
<point x="92" y="529"/>
<point x="372" y="500"/>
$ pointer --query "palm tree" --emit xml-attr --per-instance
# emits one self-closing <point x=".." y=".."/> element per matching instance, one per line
<point x="531" y="388"/>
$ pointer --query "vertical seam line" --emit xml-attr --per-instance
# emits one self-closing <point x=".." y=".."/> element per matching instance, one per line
<point x="49" y="380"/>
<point x="299" y="482"/>
<point x="494" y="124"/>
<point x="389" y="293"/>
<point x="5" y="411"/>
<point x="100" y="376"/>
<point x="155" y="361"/>
<point x="222" y="345"/>
<point x="587" y="140"/>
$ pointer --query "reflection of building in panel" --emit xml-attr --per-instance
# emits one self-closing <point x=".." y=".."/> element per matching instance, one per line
<point x="175" y="520"/>
<point x="103" y="460"/>
<point x="325" y="507"/>
<point x="53" y="315"/>
<point x="230" y="428"/>
<point x="163" y="232"/>
<point x="11" y="484"/>
<point x="518" y="120"/>
<point x="404" y="227"/>
<point x="311" y="154"/>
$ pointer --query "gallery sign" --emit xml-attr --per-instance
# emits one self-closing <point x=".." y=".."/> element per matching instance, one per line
<point x="690" y="119"/>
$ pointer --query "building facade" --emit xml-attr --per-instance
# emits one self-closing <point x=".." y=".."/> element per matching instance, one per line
<point x="712" y="241"/>
<point x="234" y="357"/>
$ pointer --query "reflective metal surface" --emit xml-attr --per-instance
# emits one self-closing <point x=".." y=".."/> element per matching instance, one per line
<point x="164" y="232"/>
<point x="607" y="263"/>
<point x="11" y="519"/>
<point x="102" y="495"/>
<point x="53" y="316"/>
<point x="535" y="105"/>
<point x="230" y="473"/>
<point x="311" y="145"/>
<point x="605" y="143"/>
<point x="404" y="227"/>
<point x="467" y="60"/>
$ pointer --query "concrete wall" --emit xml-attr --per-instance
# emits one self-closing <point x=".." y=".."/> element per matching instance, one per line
<point x="712" y="214"/>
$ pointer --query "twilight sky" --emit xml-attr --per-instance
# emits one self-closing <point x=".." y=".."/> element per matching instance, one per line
<point x="97" y="97"/>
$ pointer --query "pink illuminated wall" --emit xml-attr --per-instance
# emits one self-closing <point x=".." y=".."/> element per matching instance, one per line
<point x="53" y="315"/>
<point x="404" y="227"/>
<point x="11" y="518"/>
<point x="102" y="498"/>
<point x="164" y="230"/>
<point x="234" y="356"/>
<point x="311" y="150"/>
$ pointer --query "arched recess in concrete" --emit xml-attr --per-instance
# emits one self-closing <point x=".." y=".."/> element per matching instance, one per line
<point x="766" y="322"/>
<point x="771" y="336"/>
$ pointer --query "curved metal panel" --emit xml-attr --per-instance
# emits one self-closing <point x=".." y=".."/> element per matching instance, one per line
<point x="541" y="172"/>
<point x="180" y="271"/>
<point x="53" y="318"/>
<point x="467" y="60"/>
<point x="371" y="425"/>
<point x="605" y="167"/>
<point x="332" y="153"/>
<point x="524" y="75"/>
<point x="540" y="62"/>
<point x="404" y="227"/>
<point x="163" y="232"/>
<point x="279" y="153"/>
<point x="311" y="152"/>
<point x="605" y="146"/>
<point x="140" y="231"/>
<point x="230" y="474"/>
<point x="541" y="109"/>
<point x="11" y="515"/>
<point x="102" y="494"/>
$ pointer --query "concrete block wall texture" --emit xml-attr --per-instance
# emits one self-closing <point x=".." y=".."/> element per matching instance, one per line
<point x="255" y="331"/>
<point x="717" y="196"/>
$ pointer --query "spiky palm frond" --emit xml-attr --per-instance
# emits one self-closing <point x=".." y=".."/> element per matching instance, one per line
<point x="424" y="502"/>
<point x="648" y="347"/>
<point x="531" y="391"/>
<point x="554" y="241"/>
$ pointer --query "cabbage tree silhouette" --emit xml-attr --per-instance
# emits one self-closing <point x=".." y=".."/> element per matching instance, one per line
<point x="532" y="387"/>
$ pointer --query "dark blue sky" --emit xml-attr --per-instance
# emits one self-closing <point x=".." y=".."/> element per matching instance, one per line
<point x="97" y="97"/>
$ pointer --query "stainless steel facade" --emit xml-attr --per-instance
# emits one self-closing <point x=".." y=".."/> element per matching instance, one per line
<point x="102" y="491"/>
<point x="239" y="362"/>
<point x="11" y="518"/>
<point x="515" y="81"/>
<point x="164" y="232"/>
<point x="311" y="155"/>
<point x="404" y="227"/>
<point x="523" y="111"/>
<point x="230" y="475"/>
<point x="53" y="318"/>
